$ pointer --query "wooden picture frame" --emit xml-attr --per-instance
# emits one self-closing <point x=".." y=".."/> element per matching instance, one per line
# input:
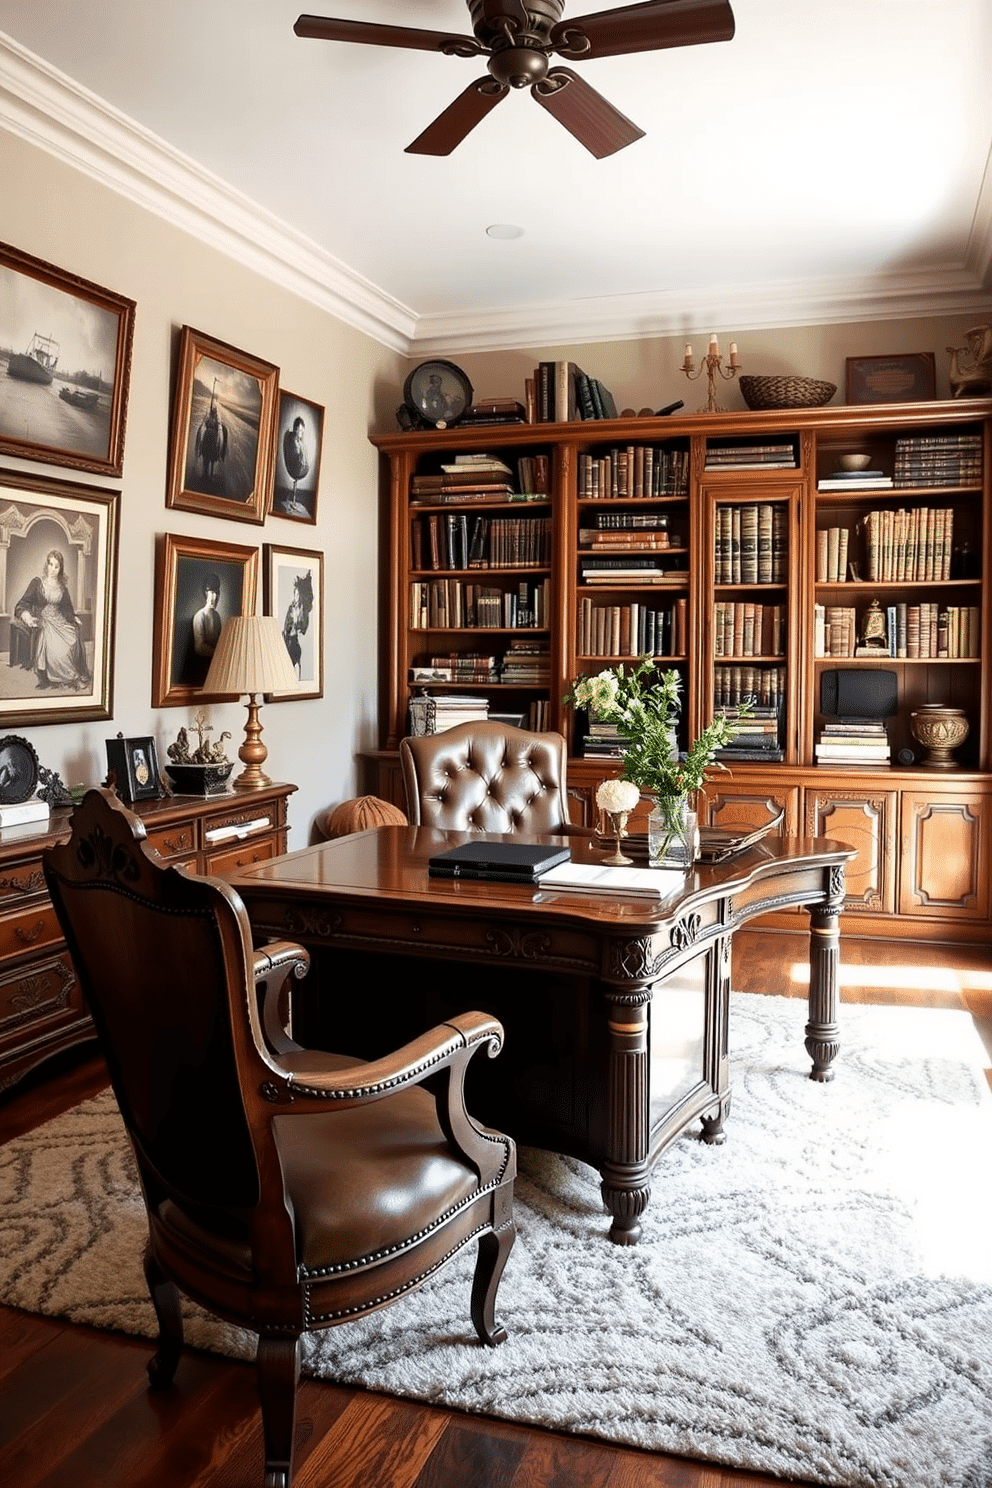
<point x="56" y="659"/>
<point x="135" y="766"/>
<point x="223" y="430"/>
<point x="294" y="592"/>
<point x="198" y="585"/>
<point x="905" y="378"/>
<point x="296" y="458"/>
<point x="65" y="345"/>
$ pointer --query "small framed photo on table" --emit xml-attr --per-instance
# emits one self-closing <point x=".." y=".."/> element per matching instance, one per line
<point x="134" y="763"/>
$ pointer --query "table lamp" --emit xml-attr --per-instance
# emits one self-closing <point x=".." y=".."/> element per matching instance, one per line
<point x="251" y="658"/>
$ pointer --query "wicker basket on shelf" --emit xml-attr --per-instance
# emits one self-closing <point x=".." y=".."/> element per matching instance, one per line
<point x="785" y="392"/>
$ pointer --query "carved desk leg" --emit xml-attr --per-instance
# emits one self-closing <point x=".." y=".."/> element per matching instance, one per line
<point x="625" y="1187"/>
<point x="716" y="1055"/>
<point x="822" y="1030"/>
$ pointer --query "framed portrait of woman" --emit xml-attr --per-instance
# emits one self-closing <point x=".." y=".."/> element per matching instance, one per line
<point x="198" y="585"/>
<point x="58" y="571"/>
<point x="294" y="593"/>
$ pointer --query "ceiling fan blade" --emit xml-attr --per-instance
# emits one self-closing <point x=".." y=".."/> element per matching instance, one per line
<point x="327" y="28"/>
<point x="459" y="118"/>
<point x="585" y="113"/>
<point x="644" y="28"/>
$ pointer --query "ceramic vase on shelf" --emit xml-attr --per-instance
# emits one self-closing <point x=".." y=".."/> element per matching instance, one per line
<point x="673" y="832"/>
<point x="940" y="730"/>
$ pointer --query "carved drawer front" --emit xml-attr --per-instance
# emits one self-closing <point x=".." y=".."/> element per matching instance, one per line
<point x="22" y="883"/>
<point x="945" y="845"/>
<point x="723" y="804"/>
<point x="39" y="996"/>
<point x="243" y="856"/>
<point x="29" y="929"/>
<point x="866" y="822"/>
<point x="177" y="841"/>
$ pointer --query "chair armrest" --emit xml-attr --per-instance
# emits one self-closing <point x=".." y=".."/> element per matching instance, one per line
<point x="273" y="964"/>
<point x="443" y="1052"/>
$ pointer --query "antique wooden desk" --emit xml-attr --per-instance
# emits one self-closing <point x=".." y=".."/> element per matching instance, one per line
<point x="616" y="1009"/>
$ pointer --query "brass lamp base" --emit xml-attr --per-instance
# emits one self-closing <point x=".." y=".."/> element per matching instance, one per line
<point x="252" y="754"/>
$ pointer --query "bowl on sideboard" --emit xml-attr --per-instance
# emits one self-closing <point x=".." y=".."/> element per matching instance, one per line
<point x="785" y="392"/>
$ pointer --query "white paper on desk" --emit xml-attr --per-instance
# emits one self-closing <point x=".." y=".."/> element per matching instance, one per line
<point x="595" y="878"/>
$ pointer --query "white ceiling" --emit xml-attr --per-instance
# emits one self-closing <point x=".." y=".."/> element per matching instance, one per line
<point x="830" y="163"/>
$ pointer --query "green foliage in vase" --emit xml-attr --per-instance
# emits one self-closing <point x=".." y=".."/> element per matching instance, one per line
<point x="645" y="703"/>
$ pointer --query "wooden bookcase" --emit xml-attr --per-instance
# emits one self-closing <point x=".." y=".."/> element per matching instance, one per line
<point x="924" y="836"/>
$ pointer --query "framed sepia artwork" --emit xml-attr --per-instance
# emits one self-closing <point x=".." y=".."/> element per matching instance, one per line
<point x="296" y="465"/>
<point x="294" y="592"/>
<point x="909" y="378"/>
<point x="135" y="766"/>
<point x="58" y="581"/>
<point x="198" y="585"/>
<point x="223" y="430"/>
<point x="65" y="350"/>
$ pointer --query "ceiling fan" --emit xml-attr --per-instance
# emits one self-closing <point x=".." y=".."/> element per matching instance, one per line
<point x="520" y="40"/>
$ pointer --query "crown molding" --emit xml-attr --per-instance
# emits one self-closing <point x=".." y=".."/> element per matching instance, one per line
<point x="51" y="111"/>
<point x="46" y="108"/>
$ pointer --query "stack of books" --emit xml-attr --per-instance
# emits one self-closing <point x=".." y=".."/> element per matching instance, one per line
<point x="758" y="737"/>
<point x="780" y="456"/>
<point x="494" y="411"/>
<point x="468" y="478"/>
<point x="853" y="741"/>
<point x="432" y="715"/>
<point x="601" y="741"/>
<point x="855" y="480"/>
<point x="527" y="663"/>
<point x="630" y="568"/>
<point x="939" y="460"/>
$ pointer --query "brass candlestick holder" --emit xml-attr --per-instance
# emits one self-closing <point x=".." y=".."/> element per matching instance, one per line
<point x="712" y="365"/>
<point x="618" y="828"/>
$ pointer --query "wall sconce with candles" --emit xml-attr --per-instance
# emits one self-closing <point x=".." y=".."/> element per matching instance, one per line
<point x="712" y="365"/>
<point x="251" y="658"/>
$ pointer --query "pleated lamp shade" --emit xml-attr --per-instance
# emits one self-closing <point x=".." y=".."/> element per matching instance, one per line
<point x="250" y="658"/>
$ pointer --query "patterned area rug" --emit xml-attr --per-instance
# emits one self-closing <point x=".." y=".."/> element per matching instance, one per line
<point x="813" y="1299"/>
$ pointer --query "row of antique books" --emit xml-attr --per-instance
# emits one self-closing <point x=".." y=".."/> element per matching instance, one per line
<point x="470" y="540"/>
<point x="631" y="629"/>
<point x="743" y="628"/>
<point x="853" y="742"/>
<point x="634" y="470"/>
<point x="780" y="456"/>
<point x="560" y="392"/>
<point x="763" y="685"/>
<point x="750" y="543"/>
<point x="913" y="544"/>
<point x="451" y="604"/>
<point x="914" y="632"/>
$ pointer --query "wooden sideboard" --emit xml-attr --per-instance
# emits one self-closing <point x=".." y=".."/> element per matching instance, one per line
<point x="41" y="1005"/>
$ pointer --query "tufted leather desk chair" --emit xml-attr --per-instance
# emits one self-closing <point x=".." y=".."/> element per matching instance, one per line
<point x="487" y="777"/>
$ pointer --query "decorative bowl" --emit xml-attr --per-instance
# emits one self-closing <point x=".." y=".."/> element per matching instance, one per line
<point x="940" y="730"/>
<point x="854" y="462"/>
<point x="785" y="392"/>
<point x="199" y="780"/>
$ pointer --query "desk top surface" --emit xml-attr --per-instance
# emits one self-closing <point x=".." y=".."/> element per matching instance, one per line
<point x="389" y="865"/>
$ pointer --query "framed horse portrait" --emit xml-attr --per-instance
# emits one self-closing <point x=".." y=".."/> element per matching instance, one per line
<point x="58" y="571"/>
<point x="65" y="345"/>
<point x="296" y="462"/>
<point x="223" y="430"/>
<point x="198" y="585"/>
<point x="294" y="592"/>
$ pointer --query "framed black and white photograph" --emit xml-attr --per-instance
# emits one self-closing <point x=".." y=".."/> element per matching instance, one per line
<point x="19" y="770"/>
<point x="296" y="466"/>
<point x="58" y="579"/>
<point x="223" y="430"/>
<point x="65" y="346"/>
<point x="294" y="592"/>
<point x="198" y="585"/>
<point x="134" y="763"/>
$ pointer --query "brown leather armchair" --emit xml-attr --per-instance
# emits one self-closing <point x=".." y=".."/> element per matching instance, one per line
<point x="285" y="1189"/>
<point x="487" y="777"/>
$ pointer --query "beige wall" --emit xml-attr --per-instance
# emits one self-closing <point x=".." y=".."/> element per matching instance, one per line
<point x="65" y="218"/>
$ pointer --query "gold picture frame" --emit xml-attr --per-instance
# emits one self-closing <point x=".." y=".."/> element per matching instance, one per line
<point x="223" y="430"/>
<point x="198" y="585"/>
<point x="65" y="346"/>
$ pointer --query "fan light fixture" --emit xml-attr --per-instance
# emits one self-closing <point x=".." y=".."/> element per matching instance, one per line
<point x="251" y="658"/>
<point x="519" y="41"/>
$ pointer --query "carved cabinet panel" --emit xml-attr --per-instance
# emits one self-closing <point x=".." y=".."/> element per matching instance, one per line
<point x="723" y="803"/>
<point x="945" y="856"/>
<point x="866" y="821"/>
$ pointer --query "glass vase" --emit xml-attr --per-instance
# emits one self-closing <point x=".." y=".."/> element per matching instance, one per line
<point x="673" y="833"/>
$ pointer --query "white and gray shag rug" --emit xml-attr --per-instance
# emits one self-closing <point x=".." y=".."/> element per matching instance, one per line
<point x="811" y="1300"/>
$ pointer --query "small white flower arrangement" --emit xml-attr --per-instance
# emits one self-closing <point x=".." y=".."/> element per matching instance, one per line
<point x="616" y="796"/>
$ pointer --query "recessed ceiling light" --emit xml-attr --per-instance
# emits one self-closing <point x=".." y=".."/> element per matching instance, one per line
<point x="504" y="230"/>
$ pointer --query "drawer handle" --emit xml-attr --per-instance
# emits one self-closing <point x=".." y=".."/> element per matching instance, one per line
<point x="182" y="843"/>
<point x="28" y="937"/>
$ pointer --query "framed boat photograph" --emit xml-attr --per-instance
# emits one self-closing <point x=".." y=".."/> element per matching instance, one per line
<point x="293" y="591"/>
<point x="58" y="571"/>
<point x="223" y="430"/>
<point x="296" y="464"/>
<point x="198" y="585"/>
<point x="65" y="366"/>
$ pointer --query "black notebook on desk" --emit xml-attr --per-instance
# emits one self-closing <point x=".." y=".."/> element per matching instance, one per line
<point x="511" y="861"/>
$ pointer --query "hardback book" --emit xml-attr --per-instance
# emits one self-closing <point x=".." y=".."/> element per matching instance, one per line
<point x="19" y="813"/>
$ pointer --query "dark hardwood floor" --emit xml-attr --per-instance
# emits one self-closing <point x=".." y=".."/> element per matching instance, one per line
<point x="76" y="1413"/>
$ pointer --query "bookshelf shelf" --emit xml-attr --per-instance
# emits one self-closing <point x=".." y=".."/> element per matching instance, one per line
<point x="925" y="835"/>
